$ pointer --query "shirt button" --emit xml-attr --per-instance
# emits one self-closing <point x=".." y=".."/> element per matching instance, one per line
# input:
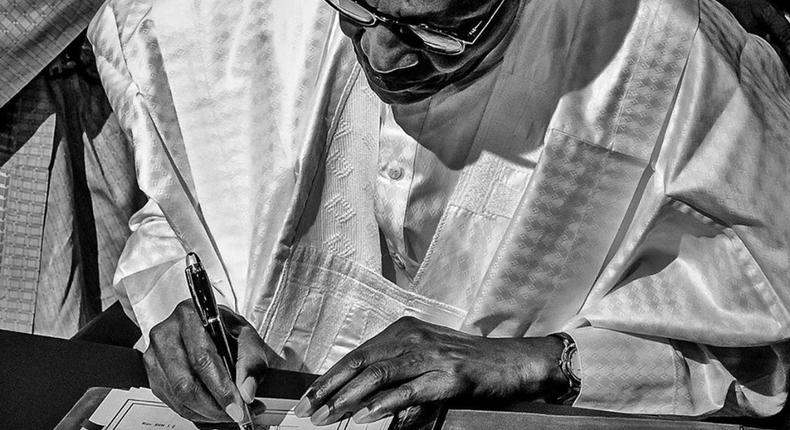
<point x="395" y="173"/>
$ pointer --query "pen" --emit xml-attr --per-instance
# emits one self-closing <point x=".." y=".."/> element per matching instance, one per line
<point x="206" y="306"/>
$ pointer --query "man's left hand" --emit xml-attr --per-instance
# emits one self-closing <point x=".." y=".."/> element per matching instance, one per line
<point x="413" y="362"/>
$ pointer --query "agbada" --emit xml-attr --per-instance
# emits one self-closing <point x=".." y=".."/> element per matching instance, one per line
<point x="624" y="183"/>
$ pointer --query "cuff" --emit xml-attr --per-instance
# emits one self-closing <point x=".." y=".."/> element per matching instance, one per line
<point x="626" y="373"/>
<point x="167" y="287"/>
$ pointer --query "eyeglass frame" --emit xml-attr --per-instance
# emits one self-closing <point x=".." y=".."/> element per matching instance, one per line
<point x="472" y="36"/>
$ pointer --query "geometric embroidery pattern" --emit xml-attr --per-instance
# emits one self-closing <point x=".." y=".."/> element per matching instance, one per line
<point x="33" y="33"/>
<point x="24" y="182"/>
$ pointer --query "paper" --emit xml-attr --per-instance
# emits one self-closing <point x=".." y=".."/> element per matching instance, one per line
<point x="139" y="409"/>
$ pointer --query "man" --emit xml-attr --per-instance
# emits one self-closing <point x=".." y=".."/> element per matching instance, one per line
<point x="589" y="183"/>
<point x="67" y="184"/>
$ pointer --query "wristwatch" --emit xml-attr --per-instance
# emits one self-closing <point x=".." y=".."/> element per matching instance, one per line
<point x="570" y="366"/>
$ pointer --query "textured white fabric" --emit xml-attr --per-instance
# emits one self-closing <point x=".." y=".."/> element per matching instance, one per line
<point x="640" y="203"/>
<point x="255" y="78"/>
<point x="249" y="77"/>
<point x="412" y="189"/>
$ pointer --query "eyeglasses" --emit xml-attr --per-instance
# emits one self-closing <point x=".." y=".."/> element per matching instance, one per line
<point x="441" y="41"/>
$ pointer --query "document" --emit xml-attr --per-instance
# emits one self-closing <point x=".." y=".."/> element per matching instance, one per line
<point x="140" y="409"/>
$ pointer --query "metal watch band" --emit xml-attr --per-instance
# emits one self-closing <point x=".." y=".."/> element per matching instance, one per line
<point x="565" y="363"/>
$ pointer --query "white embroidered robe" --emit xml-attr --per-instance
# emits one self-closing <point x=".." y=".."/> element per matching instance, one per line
<point x="651" y="226"/>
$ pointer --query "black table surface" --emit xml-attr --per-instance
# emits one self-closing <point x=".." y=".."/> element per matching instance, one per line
<point x="42" y="378"/>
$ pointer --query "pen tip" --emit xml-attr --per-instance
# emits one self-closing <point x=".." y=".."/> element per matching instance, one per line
<point x="192" y="259"/>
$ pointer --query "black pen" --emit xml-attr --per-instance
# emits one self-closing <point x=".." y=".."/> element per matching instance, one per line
<point x="206" y="306"/>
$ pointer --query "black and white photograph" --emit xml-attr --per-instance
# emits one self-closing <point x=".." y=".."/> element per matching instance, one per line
<point x="394" y="214"/>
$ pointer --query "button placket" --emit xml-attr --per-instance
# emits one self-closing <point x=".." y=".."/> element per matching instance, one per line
<point x="397" y="153"/>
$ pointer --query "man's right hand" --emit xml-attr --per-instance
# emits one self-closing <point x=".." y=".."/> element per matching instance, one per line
<point x="185" y="371"/>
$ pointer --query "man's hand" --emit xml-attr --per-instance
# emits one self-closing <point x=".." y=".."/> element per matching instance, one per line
<point x="186" y="372"/>
<point x="765" y="18"/>
<point x="413" y="363"/>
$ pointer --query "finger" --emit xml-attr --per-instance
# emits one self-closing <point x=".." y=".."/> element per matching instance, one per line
<point x="252" y="362"/>
<point x="342" y="372"/>
<point x="428" y="388"/>
<point x="374" y="378"/>
<point x="233" y="322"/>
<point x="186" y="386"/>
<point x="160" y="387"/>
<point x="210" y="370"/>
<point x="158" y="380"/>
<point x="253" y="355"/>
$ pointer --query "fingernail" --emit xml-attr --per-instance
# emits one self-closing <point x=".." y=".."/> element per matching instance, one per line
<point x="309" y="394"/>
<point x="235" y="412"/>
<point x="319" y="418"/>
<point x="302" y="409"/>
<point x="362" y="416"/>
<point x="248" y="389"/>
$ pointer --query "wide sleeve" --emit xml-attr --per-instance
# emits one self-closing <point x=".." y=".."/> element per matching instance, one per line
<point x="149" y="279"/>
<point x="624" y="372"/>
<point x="697" y="321"/>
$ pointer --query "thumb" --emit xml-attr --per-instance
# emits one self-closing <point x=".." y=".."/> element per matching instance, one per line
<point x="252" y="362"/>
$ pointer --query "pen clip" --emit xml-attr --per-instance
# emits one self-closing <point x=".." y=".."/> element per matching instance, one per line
<point x="201" y="290"/>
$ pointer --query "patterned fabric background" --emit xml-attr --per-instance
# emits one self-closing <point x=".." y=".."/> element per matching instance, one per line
<point x="27" y="134"/>
<point x="67" y="185"/>
<point x="33" y="33"/>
